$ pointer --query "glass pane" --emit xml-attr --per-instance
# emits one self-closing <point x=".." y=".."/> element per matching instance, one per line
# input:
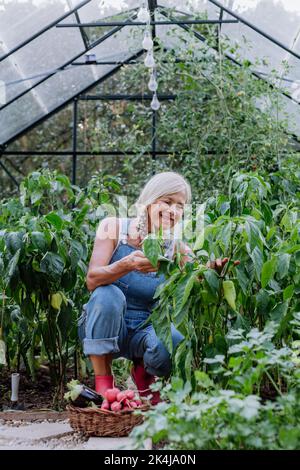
<point x="176" y="38"/>
<point x="254" y="47"/>
<point x="280" y="19"/>
<point x="292" y="114"/>
<point x="10" y="72"/>
<point x="42" y="55"/>
<point x="21" y="20"/>
<point x="58" y="125"/>
<point x="15" y="117"/>
<point x="97" y="10"/>
<point x="64" y="85"/>
<point x="192" y="7"/>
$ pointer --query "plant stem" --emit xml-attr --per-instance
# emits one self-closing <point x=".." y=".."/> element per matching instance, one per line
<point x="273" y="383"/>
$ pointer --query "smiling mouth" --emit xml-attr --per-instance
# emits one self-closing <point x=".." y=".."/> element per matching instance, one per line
<point x="166" y="217"/>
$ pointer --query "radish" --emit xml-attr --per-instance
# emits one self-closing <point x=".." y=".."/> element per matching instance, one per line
<point x="138" y="402"/>
<point x="121" y="396"/>
<point x="126" y="408"/>
<point x="133" y="404"/>
<point x="111" y="394"/>
<point x="105" y="405"/>
<point x="116" y="406"/>
<point x="130" y="394"/>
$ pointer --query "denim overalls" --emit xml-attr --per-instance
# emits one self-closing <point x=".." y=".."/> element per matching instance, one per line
<point x="108" y="324"/>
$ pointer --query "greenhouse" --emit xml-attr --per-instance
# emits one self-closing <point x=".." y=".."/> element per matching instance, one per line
<point x="149" y="224"/>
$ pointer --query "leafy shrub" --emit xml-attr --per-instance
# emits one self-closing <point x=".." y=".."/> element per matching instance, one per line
<point x="45" y="245"/>
<point x="252" y="224"/>
<point x="212" y="417"/>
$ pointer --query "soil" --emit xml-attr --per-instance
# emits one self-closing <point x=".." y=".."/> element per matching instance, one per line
<point x="36" y="395"/>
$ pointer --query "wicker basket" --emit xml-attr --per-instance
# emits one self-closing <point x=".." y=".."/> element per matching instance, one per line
<point x="97" y="422"/>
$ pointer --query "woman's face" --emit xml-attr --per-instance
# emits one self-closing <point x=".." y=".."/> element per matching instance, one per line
<point x="167" y="210"/>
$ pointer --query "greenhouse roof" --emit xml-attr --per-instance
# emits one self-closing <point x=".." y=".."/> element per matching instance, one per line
<point x="43" y="47"/>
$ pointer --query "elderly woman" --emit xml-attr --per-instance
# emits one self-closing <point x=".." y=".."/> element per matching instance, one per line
<point x="123" y="282"/>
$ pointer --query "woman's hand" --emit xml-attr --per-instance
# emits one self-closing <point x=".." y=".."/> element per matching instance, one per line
<point x="140" y="262"/>
<point x="219" y="263"/>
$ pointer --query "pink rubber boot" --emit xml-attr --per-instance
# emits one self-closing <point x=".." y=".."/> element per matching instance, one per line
<point x="103" y="382"/>
<point x="143" y="380"/>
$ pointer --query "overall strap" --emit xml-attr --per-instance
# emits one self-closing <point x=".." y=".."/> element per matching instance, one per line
<point x="169" y="247"/>
<point x="122" y="237"/>
<point x="123" y="229"/>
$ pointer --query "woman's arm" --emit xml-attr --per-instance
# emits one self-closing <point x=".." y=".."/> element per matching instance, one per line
<point x="100" y="272"/>
<point x="188" y="255"/>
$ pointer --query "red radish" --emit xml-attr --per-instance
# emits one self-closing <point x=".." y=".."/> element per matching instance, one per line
<point x="139" y="402"/>
<point x="126" y="408"/>
<point x="111" y="394"/>
<point x="116" y="406"/>
<point x="121" y="396"/>
<point x="105" y="405"/>
<point x="133" y="404"/>
<point x="130" y="394"/>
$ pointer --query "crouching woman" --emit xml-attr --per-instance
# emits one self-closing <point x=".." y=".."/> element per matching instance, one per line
<point x="122" y="282"/>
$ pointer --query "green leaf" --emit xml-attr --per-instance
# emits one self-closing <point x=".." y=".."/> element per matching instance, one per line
<point x="213" y="281"/>
<point x="181" y="314"/>
<point x="2" y="352"/>
<point x="242" y="279"/>
<point x="279" y="311"/>
<point x="203" y="380"/>
<point x="284" y="316"/>
<point x="65" y="320"/>
<point x="13" y="267"/>
<point x="262" y="302"/>
<point x="55" y="220"/>
<point x="254" y="234"/>
<point x="53" y="265"/>
<point x="289" y="438"/>
<point x="152" y="249"/>
<point x="80" y="216"/>
<point x="225" y="237"/>
<point x="64" y="180"/>
<point x="199" y="241"/>
<point x="283" y="264"/>
<point x="38" y="241"/>
<point x="14" y="241"/>
<point x="177" y="384"/>
<point x="295" y="248"/>
<point x="257" y="258"/>
<point x="188" y="365"/>
<point x="267" y="212"/>
<point x="187" y="289"/>
<point x="162" y="325"/>
<point x="69" y="280"/>
<point x="288" y="292"/>
<point x="1" y="267"/>
<point x="76" y="253"/>
<point x="268" y="271"/>
<point x="229" y="293"/>
<point x="270" y="233"/>
<point x="36" y="197"/>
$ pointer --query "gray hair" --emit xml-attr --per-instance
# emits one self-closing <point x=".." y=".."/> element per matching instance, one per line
<point x="163" y="184"/>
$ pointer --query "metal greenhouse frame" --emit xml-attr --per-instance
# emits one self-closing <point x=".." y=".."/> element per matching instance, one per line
<point x="83" y="94"/>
